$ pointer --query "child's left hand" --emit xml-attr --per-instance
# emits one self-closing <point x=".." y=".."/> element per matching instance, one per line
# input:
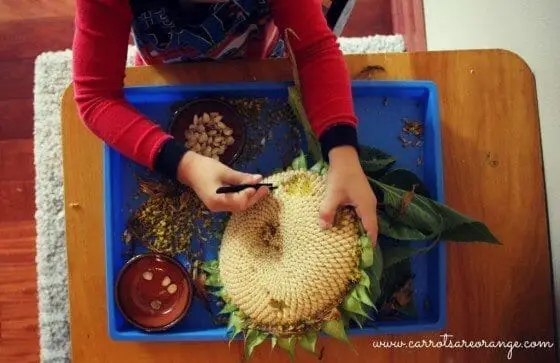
<point x="348" y="185"/>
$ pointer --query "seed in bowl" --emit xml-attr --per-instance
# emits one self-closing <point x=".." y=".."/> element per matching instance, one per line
<point x="148" y="275"/>
<point x="156" y="304"/>
<point x="209" y="135"/>
<point x="172" y="289"/>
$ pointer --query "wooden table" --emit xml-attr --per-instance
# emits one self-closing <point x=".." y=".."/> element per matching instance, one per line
<point x="493" y="172"/>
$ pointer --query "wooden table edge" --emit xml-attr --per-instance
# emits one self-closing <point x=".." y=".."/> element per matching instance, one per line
<point x="69" y="104"/>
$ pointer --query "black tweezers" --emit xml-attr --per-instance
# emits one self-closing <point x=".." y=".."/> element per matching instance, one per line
<point x="240" y="187"/>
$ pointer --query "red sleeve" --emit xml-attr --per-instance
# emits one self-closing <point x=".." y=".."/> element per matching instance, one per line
<point x="99" y="57"/>
<point x="99" y="60"/>
<point x="325" y="83"/>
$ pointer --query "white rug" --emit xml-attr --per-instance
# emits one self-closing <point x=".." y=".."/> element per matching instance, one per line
<point x="52" y="76"/>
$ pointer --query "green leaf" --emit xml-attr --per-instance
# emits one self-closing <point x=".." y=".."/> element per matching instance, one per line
<point x="367" y="257"/>
<point x="365" y="241"/>
<point x="396" y="254"/>
<point x="394" y="229"/>
<point x="288" y="344"/>
<point x="253" y="339"/>
<point x="359" y="320"/>
<point x="347" y="316"/>
<point x="219" y="293"/>
<point x="211" y="267"/>
<point x="461" y="228"/>
<point x="213" y="280"/>
<point x="300" y="163"/>
<point x="374" y="161"/>
<point x="375" y="292"/>
<point x="335" y="328"/>
<point x="318" y="167"/>
<point x="363" y="295"/>
<point x="374" y="288"/>
<point x="273" y="342"/>
<point x="235" y="325"/>
<point x="377" y="262"/>
<point x="234" y="320"/>
<point x="228" y="308"/>
<point x="308" y="341"/>
<point x="361" y="229"/>
<point x="406" y="180"/>
<point x="353" y="304"/>
<point x="296" y="103"/>
<point x="423" y="218"/>
<point x="410" y="209"/>
<point x="365" y="280"/>
<point x="373" y="283"/>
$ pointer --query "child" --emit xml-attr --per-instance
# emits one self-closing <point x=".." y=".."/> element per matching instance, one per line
<point x="168" y="31"/>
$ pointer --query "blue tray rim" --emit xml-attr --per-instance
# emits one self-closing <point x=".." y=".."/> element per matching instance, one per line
<point x="271" y="85"/>
<point x="433" y="102"/>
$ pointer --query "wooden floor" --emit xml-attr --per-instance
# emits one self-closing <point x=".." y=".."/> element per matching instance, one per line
<point x="28" y="28"/>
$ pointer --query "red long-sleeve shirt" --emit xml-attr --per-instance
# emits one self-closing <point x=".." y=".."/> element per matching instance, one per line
<point x="100" y="49"/>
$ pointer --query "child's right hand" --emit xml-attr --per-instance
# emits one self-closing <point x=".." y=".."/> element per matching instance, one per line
<point x="205" y="175"/>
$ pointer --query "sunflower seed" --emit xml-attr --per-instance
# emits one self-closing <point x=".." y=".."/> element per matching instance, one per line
<point x="148" y="275"/>
<point x="172" y="289"/>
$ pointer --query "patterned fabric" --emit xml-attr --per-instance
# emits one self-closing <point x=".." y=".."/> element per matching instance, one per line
<point x="167" y="31"/>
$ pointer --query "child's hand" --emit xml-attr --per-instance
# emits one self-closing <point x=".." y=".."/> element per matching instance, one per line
<point x="205" y="175"/>
<point x="348" y="185"/>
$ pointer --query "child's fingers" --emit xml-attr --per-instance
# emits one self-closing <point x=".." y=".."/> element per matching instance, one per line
<point x="235" y="202"/>
<point x="234" y="177"/>
<point x="260" y="194"/>
<point x="328" y="209"/>
<point x="246" y="199"/>
<point x="241" y="201"/>
<point x="367" y="214"/>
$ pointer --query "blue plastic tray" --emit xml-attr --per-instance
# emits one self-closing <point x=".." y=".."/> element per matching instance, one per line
<point x="380" y="106"/>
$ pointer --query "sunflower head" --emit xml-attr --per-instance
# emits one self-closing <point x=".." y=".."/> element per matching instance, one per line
<point x="285" y="278"/>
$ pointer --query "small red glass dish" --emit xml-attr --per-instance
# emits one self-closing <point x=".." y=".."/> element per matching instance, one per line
<point x="153" y="292"/>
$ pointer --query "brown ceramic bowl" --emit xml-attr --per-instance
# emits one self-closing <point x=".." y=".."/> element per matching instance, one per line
<point x="183" y="117"/>
<point x="153" y="292"/>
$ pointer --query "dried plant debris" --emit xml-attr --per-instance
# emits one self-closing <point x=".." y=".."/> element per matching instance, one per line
<point x="170" y="217"/>
<point x="368" y="71"/>
<point x="399" y="304"/>
<point x="209" y="135"/>
<point x="412" y="133"/>
<point x="170" y="220"/>
<point x="198" y="277"/>
<point x="397" y="299"/>
<point x="168" y="205"/>
<point x="262" y="116"/>
<point x="407" y="198"/>
<point x="163" y="223"/>
<point x="412" y="127"/>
